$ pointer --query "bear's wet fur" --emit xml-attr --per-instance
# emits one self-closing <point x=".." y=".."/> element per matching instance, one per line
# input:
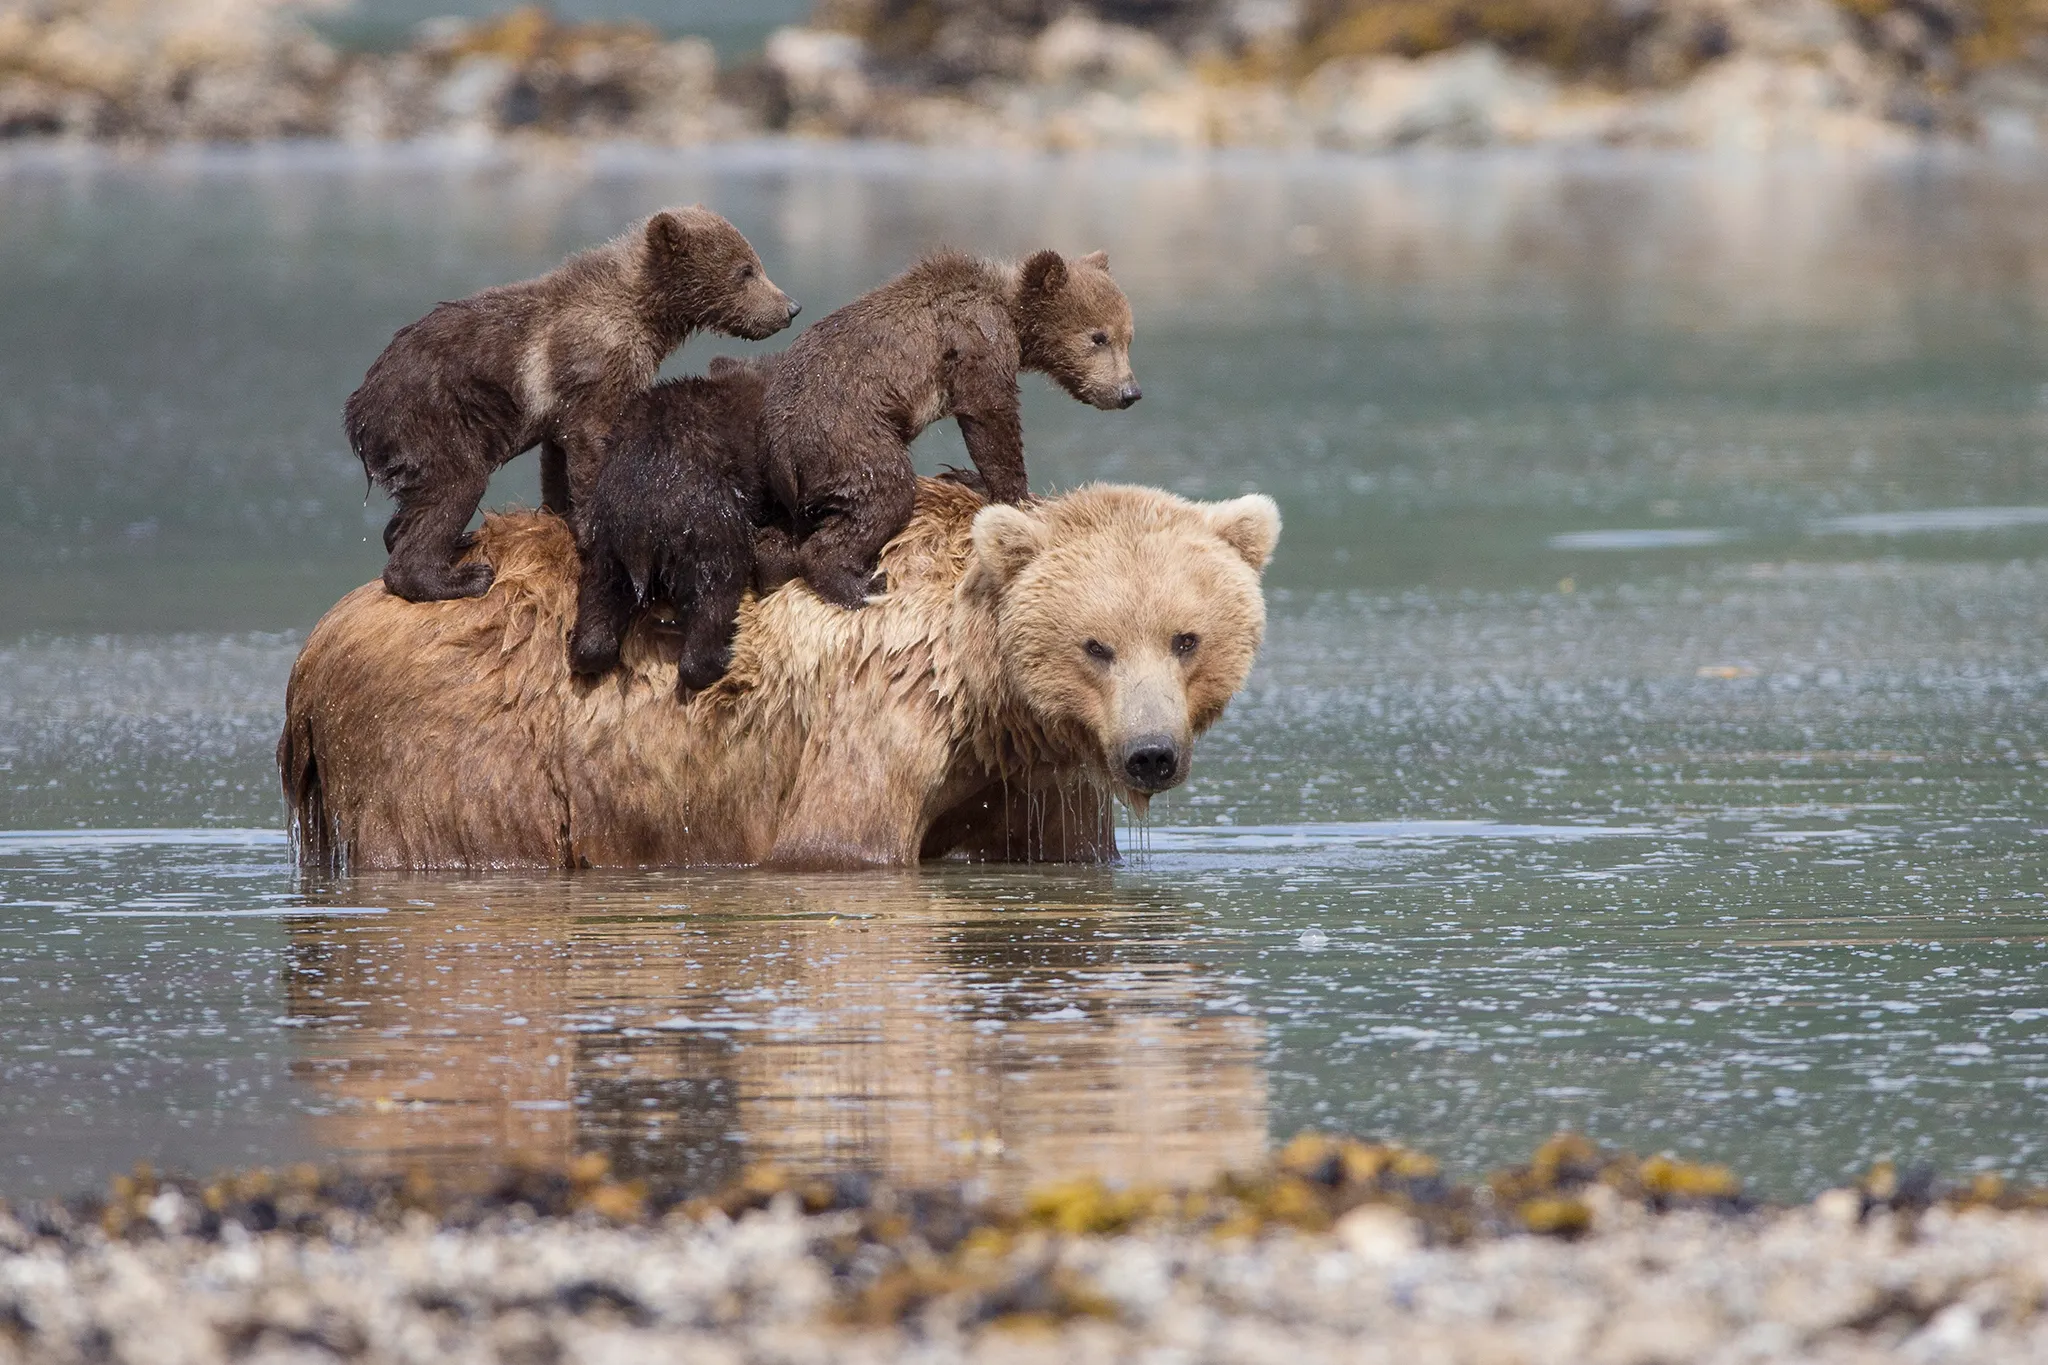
<point x="672" y="518"/>
<point x="960" y="715"/>
<point x="546" y="362"/>
<point x="948" y="336"/>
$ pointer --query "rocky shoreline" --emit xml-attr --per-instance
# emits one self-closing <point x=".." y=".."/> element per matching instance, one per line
<point x="1749" y="75"/>
<point x="1338" y="1251"/>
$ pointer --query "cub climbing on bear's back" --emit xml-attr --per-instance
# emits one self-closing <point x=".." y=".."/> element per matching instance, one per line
<point x="672" y="519"/>
<point x="547" y="362"/>
<point x="948" y="336"/>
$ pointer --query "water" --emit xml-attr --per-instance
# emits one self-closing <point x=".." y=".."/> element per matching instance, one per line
<point x="736" y="27"/>
<point x="1650" y="738"/>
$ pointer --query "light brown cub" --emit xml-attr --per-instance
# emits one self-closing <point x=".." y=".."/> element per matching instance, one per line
<point x="548" y="362"/>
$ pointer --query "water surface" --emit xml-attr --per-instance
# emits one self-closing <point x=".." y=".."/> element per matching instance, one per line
<point x="1650" y="736"/>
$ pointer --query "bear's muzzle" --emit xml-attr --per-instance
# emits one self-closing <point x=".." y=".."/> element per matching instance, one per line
<point x="1152" y="763"/>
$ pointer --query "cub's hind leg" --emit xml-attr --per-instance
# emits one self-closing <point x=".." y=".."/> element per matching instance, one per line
<point x="711" y="617"/>
<point x="604" y="608"/>
<point x="838" y="556"/>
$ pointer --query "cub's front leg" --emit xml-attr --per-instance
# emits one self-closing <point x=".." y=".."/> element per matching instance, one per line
<point x="984" y="399"/>
<point x="554" y="479"/>
<point x="577" y="447"/>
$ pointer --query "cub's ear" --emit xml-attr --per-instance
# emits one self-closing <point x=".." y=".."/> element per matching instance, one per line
<point x="672" y="232"/>
<point x="1006" y="538"/>
<point x="1045" y="272"/>
<point x="667" y="235"/>
<point x="724" y="365"/>
<point x="1249" y="525"/>
<point x="1098" y="260"/>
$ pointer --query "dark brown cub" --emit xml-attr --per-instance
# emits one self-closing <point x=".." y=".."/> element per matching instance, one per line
<point x="672" y="519"/>
<point x="547" y="362"/>
<point x="947" y="337"/>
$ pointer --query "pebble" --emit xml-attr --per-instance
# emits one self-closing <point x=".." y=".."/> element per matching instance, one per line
<point x="1338" y="1250"/>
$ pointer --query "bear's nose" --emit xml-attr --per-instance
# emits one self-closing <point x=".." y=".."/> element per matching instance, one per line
<point x="794" y="309"/>
<point x="1152" y="764"/>
<point x="1129" y="394"/>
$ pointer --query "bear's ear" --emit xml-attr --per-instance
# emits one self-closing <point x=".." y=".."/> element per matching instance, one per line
<point x="671" y="234"/>
<point x="1045" y="272"/>
<point x="1249" y="525"/>
<point x="1006" y="538"/>
<point x="722" y="366"/>
<point x="1097" y="260"/>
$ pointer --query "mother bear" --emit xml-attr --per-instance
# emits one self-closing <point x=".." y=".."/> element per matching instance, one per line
<point x="1026" y="665"/>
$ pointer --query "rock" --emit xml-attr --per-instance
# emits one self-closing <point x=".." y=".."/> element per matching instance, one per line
<point x="1839" y="1208"/>
<point x="471" y="98"/>
<point x="1263" y="28"/>
<point x="1076" y="50"/>
<point x="1469" y="97"/>
<point x="677" y="86"/>
<point x="823" y="76"/>
<point x="1756" y="104"/>
<point x="2011" y="107"/>
<point x="1378" y="1234"/>
<point x="1744" y="76"/>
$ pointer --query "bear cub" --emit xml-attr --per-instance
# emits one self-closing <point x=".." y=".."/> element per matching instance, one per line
<point x="548" y="362"/>
<point x="673" y="517"/>
<point x="947" y="337"/>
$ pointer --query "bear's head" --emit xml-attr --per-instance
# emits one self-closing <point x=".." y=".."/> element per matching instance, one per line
<point x="1074" y="324"/>
<point x="1126" y="618"/>
<point x="703" y="273"/>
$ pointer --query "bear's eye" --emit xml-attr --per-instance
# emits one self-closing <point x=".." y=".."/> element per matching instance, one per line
<point x="747" y="272"/>
<point x="1185" y="642"/>
<point x="1098" y="651"/>
<point x="1100" y="338"/>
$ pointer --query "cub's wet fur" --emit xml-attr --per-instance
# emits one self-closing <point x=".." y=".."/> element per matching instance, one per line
<point x="547" y="362"/>
<point x="947" y="337"/>
<point x="672" y="520"/>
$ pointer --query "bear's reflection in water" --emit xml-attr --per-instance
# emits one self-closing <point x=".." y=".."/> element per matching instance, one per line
<point x="927" y="1027"/>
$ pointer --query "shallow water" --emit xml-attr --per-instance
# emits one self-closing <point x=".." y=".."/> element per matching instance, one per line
<point x="736" y="27"/>
<point x="1650" y="737"/>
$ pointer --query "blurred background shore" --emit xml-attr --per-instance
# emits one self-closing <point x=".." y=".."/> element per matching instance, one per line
<point x="1356" y="75"/>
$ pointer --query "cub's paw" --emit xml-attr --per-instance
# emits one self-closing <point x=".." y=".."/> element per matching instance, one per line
<point x="693" y="676"/>
<point x="843" y="590"/>
<point x="966" y="478"/>
<point x="438" y="585"/>
<point x="592" y="657"/>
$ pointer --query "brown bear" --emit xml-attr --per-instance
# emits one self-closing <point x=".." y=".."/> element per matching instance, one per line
<point x="547" y="362"/>
<point x="1028" y="665"/>
<point x="948" y="336"/>
<point x="672" y="518"/>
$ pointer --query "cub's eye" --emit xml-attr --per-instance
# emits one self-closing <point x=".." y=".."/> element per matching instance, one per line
<point x="1185" y="642"/>
<point x="1100" y="338"/>
<point x="1098" y="651"/>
